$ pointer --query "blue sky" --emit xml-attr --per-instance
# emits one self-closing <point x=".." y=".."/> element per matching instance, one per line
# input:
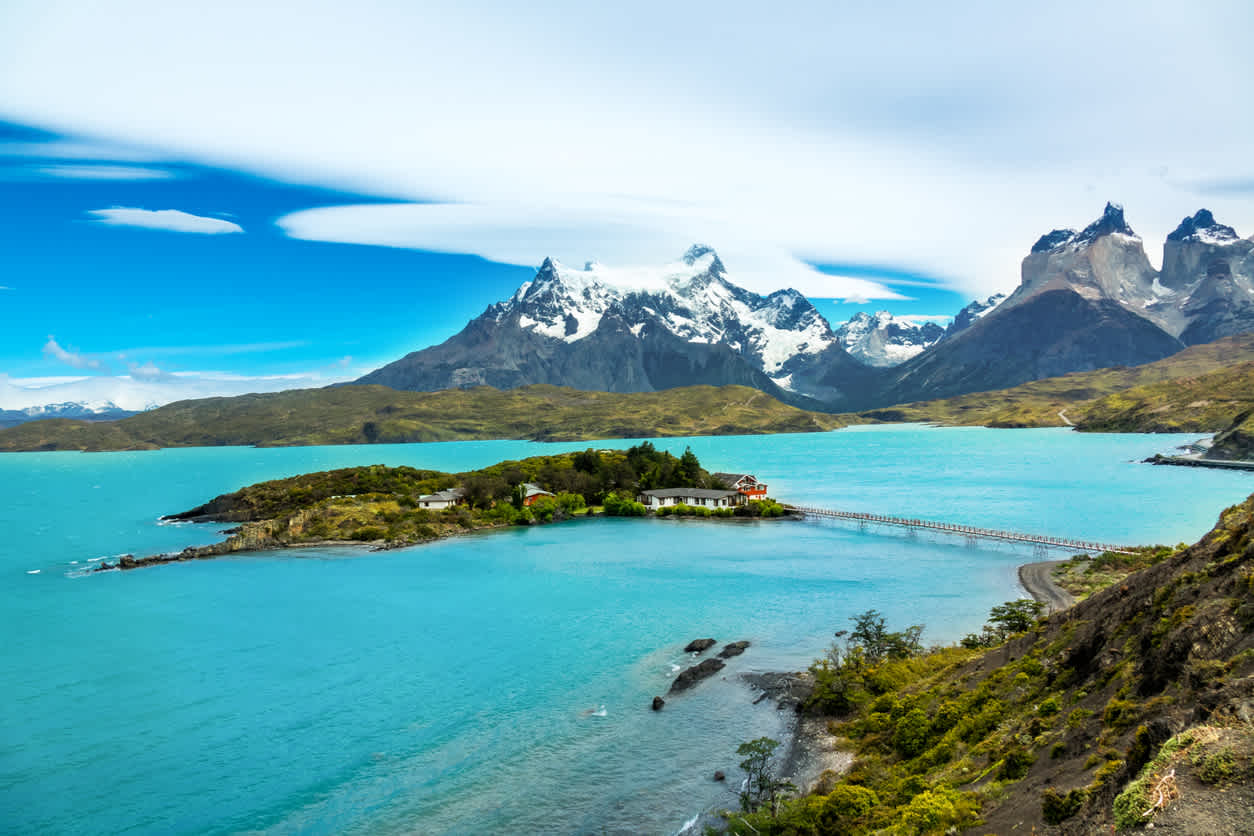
<point x="242" y="196"/>
<point x="218" y="297"/>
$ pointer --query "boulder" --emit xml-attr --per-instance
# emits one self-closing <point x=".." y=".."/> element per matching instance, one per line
<point x="698" y="672"/>
<point x="658" y="702"/>
<point x="699" y="645"/>
<point x="732" y="649"/>
<point x="719" y="776"/>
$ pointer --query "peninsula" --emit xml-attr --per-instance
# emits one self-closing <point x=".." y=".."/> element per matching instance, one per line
<point x="389" y="507"/>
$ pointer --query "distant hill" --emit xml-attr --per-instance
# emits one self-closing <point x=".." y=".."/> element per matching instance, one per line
<point x="376" y="414"/>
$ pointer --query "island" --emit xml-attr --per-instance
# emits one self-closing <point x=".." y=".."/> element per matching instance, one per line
<point x="390" y="507"/>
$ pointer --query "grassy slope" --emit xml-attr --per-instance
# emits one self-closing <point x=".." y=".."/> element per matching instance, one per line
<point x="1119" y="399"/>
<point x="1065" y="728"/>
<point x="365" y="414"/>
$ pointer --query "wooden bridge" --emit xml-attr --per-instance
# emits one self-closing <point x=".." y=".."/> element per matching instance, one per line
<point x="1041" y="542"/>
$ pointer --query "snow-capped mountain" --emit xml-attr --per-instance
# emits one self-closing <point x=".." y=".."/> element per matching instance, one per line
<point x="632" y="330"/>
<point x="1206" y="288"/>
<point x="884" y="340"/>
<point x="81" y="410"/>
<point x="973" y="313"/>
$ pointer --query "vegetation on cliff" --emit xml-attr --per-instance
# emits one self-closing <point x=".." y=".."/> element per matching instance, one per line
<point x="376" y="414"/>
<point x="1134" y="706"/>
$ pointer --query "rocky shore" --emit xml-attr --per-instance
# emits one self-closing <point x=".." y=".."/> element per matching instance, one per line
<point x="1038" y="580"/>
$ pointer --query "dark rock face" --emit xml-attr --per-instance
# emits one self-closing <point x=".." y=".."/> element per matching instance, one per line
<point x="1052" y="333"/>
<point x="972" y="313"/>
<point x="733" y="649"/>
<point x="1203" y="221"/>
<point x="658" y="702"/>
<point x="699" y="645"/>
<point x="690" y="677"/>
<point x="719" y="775"/>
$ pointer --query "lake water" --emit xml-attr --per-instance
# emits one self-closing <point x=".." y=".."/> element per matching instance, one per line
<point x="497" y="682"/>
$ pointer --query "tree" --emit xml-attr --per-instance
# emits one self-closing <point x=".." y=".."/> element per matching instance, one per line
<point x="1004" y="621"/>
<point x="762" y="787"/>
<point x="689" y="469"/>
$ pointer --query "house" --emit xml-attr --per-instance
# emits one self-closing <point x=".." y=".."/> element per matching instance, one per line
<point x="698" y="497"/>
<point x="531" y="493"/>
<point x="442" y="499"/>
<point x="746" y="483"/>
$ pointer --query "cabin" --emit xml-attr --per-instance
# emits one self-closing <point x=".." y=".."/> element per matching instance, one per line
<point x="532" y="493"/>
<point x="442" y="499"/>
<point x="693" y="497"/>
<point x="746" y="483"/>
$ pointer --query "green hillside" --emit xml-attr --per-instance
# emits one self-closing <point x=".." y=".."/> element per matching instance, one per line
<point x="1138" y="399"/>
<point x="376" y="414"/>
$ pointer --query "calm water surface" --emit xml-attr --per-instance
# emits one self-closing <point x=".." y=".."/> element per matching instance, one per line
<point x="498" y="682"/>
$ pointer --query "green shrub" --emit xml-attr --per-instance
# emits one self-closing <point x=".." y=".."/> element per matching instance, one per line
<point x="1048" y="707"/>
<point x="370" y="532"/>
<point x="1057" y="807"/>
<point x="1077" y="717"/>
<point x="1120" y="714"/>
<point x="1215" y="767"/>
<point x="1015" y="765"/>
<point x="846" y="804"/>
<point x="911" y="735"/>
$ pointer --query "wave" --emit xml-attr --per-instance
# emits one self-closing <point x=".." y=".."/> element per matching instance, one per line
<point x="688" y="825"/>
<point x="33" y="571"/>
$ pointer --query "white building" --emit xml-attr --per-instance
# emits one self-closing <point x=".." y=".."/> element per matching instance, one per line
<point x="692" y="497"/>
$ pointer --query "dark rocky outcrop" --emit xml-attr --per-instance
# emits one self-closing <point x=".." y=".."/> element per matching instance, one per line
<point x="733" y="649"/>
<point x="719" y="775"/>
<point x="658" y="702"/>
<point x="699" y="645"/>
<point x="690" y="677"/>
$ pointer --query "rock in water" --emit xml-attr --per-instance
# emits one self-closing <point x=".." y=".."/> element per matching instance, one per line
<point x="732" y="649"/>
<point x="658" y="702"/>
<point x="699" y="645"/>
<point x="719" y="776"/>
<point x="693" y="675"/>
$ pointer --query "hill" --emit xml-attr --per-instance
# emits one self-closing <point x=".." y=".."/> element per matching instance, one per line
<point x="376" y="414"/>
<point x="1200" y="389"/>
<point x="1133" y="707"/>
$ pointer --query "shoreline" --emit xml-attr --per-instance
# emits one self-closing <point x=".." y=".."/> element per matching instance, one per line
<point x="1037" y="578"/>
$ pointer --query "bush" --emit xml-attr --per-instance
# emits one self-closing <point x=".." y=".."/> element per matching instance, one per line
<point x="617" y="505"/>
<point x="1015" y="765"/>
<point x="846" y="804"/>
<point x="1057" y="807"/>
<point x="1120" y="714"/>
<point x="911" y="735"/>
<point x="1048" y="707"/>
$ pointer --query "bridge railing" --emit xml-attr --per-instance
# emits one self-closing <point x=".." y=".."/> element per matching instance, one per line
<point x="966" y="530"/>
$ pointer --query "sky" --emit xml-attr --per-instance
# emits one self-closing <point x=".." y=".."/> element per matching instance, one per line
<point x="204" y="199"/>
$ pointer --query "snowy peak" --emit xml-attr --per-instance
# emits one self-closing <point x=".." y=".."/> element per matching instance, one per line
<point x="1111" y="222"/>
<point x="883" y="340"/>
<point x="974" y="312"/>
<point x="1203" y="228"/>
<point x="692" y="299"/>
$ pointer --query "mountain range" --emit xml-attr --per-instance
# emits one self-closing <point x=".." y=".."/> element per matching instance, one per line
<point x="1087" y="299"/>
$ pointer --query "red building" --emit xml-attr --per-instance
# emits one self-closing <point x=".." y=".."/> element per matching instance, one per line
<point x="746" y="483"/>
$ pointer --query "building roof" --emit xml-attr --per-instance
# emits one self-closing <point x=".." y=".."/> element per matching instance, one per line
<point x="535" y="490"/>
<point x="447" y="495"/>
<point x="733" y="478"/>
<point x="697" y="493"/>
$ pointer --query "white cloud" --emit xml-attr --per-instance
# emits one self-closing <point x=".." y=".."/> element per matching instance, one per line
<point x="5" y="287"/>
<point x="66" y="149"/>
<point x="934" y="138"/>
<point x="72" y="358"/>
<point x="104" y="172"/>
<point x="171" y="220"/>
<point x="145" y="390"/>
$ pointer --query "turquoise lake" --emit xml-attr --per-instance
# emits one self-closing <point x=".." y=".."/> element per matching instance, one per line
<point x="496" y="682"/>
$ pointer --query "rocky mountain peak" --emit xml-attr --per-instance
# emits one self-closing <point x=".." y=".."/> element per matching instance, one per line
<point x="1111" y="222"/>
<point x="884" y="340"/>
<point x="1053" y="239"/>
<point x="1204" y="228"/>
<point x="699" y="251"/>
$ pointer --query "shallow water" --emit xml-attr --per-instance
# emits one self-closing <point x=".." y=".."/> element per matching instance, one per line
<point x="495" y="682"/>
